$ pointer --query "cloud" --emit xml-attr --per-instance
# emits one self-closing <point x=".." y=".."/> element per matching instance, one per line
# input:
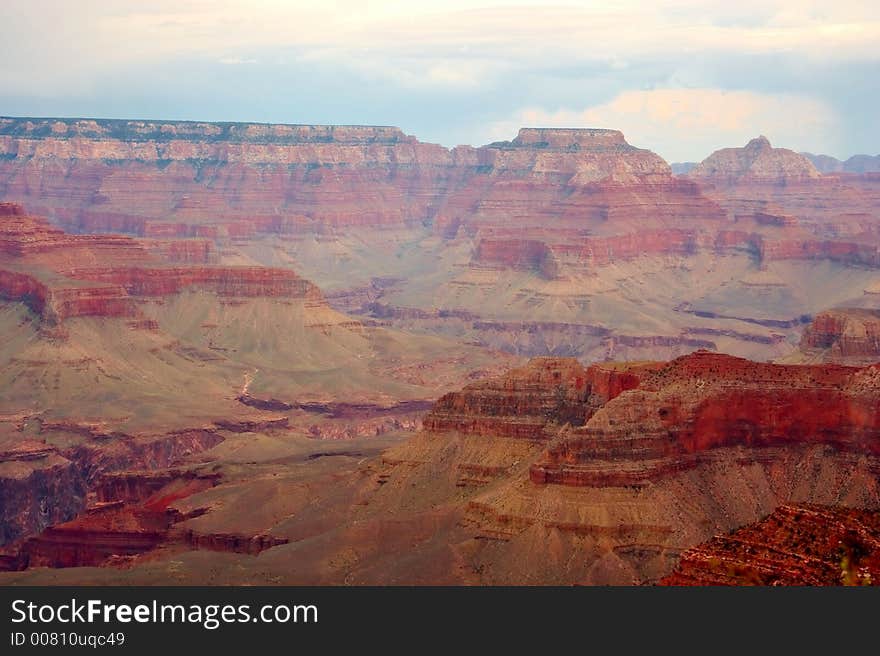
<point x="236" y="61"/>
<point x="471" y="63"/>
<point x="688" y="124"/>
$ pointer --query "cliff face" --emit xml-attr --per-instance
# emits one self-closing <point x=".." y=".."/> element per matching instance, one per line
<point x="705" y="401"/>
<point x="45" y="486"/>
<point x="549" y="200"/>
<point x="39" y="487"/>
<point x="794" y="545"/>
<point x="632" y="423"/>
<point x="532" y="203"/>
<point x="237" y="178"/>
<point x="54" y="273"/>
<point x="520" y="404"/>
<point x="844" y="334"/>
<point x="643" y="461"/>
<point x="532" y="402"/>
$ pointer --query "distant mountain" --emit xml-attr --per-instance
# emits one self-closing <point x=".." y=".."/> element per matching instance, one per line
<point x="855" y="164"/>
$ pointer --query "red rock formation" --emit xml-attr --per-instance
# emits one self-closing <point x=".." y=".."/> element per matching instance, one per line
<point x="529" y="402"/>
<point x="794" y="545"/>
<point x="520" y="404"/>
<point x="155" y="489"/>
<point x="844" y="333"/>
<point x="122" y="175"/>
<point x="39" y="487"/>
<point x="45" y="268"/>
<point x="225" y="281"/>
<point x="133" y="516"/>
<point x="105" y="531"/>
<point x="796" y="212"/>
<point x="683" y="411"/>
<point x="633" y="423"/>
<point x="231" y="542"/>
<point x="44" y="486"/>
<point x="548" y="199"/>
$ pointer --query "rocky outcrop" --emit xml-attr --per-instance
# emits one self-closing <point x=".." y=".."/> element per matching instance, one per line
<point x="591" y="252"/>
<point x="758" y="160"/>
<point x="231" y="542"/>
<point x="55" y="303"/>
<point x="520" y="404"/>
<point x="103" y="532"/>
<point x="133" y="515"/>
<point x="683" y="411"/>
<point x="794" y="545"/>
<point x="661" y="457"/>
<point x="629" y="424"/>
<point x="60" y="276"/>
<point x="532" y="402"/>
<point x="844" y="334"/>
<point x="45" y="486"/>
<point x="39" y="487"/>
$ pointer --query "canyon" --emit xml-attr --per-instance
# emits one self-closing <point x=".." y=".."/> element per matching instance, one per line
<point x="489" y="244"/>
<point x="249" y="353"/>
<point x="554" y="472"/>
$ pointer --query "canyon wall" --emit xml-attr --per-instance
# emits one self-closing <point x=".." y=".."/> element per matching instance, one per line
<point x="178" y="179"/>
<point x="630" y="465"/>
<point x="60" y="276"/>
<point x="706" y="401"/>
<point x="584" y="196"/>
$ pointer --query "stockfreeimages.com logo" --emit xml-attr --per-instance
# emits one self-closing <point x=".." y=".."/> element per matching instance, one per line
<point x="209" y="616"/>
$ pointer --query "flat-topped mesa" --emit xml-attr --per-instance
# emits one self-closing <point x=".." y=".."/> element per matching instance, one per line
<point x="571" y="139"/>
<point x="684" y="411"/>
<point x="844" y="334"/>
<point x="235" y="180"/>
<point x="795" y="545"/>
<point x="758" y="161"/>
<point x="576" y="156"/>
<point x="198" y="131"/>
<point x="533" y="401"/>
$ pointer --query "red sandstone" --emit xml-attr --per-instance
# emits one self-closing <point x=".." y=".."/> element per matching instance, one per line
<point x="795" y="545"/>
<point x="60" y="276"/>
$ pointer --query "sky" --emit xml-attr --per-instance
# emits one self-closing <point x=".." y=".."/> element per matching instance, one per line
<point x="681" y="77"/>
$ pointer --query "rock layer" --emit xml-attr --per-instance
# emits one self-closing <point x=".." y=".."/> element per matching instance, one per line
<point x="706" y="401"/>
<point x="55" y="273"/>
<point x="845" y="334"/>
<point x="794" y="545"/>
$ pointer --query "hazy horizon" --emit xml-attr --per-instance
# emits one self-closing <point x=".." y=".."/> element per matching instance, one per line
<point x="680" y="77"/>
<point x="147" y="119"/>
